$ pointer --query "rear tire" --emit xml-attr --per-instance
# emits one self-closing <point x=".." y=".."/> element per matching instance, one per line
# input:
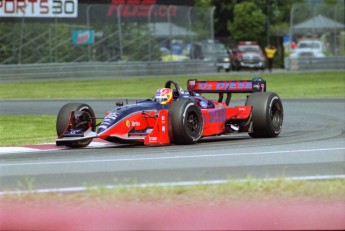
<point x="267" y="114"/>
<point x="63" y="120"/>
<point x="186" y="122"/>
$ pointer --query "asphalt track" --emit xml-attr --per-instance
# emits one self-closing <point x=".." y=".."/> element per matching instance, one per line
<point x="311" y="146"/>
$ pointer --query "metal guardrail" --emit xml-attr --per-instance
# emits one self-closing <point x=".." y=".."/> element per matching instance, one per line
<point x="327" y="63"/>
<point x="106" y="69"/>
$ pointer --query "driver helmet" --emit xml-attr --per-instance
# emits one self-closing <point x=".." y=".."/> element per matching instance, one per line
<point x="164" y="95"/>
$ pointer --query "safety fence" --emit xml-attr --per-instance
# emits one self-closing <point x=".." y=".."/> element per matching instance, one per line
<point x="106" y="32"/>
<point x="316" y="38"/>
<point x="319" y="22"/>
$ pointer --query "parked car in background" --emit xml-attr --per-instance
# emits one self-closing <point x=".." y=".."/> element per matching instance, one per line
<point x="248" y="55"/>
<point x="211" y="50"/>
<point x="309" y="48"/>
<point x="167" y="56"/>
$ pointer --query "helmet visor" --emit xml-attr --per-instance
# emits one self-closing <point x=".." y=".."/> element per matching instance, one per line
<point x="161" y="99"/>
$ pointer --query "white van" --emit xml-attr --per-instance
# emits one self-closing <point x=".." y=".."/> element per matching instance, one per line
<point x="309" y="48"/>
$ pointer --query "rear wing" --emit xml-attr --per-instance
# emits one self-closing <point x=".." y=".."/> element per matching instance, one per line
<point x="227" y="86"/>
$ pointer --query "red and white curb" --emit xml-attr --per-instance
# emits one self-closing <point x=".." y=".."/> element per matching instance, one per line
<point x="47" y="147"/>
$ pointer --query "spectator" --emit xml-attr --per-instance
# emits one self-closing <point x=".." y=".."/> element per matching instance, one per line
<point x="233" y="59"/>
<point x="270" y="52"/>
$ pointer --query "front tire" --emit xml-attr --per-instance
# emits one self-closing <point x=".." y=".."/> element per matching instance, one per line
<point x="186" y="122"/>
<point x="267" y="114"/>
<point x="85" y="121"/>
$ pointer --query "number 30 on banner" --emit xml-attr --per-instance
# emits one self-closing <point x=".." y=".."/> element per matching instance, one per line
<point x="39" y="8"/>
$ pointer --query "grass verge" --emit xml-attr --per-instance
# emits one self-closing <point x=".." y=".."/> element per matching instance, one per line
<point x="22" y="130"/>
<point x="287" y="85"/>
<point x="251" y="189"/>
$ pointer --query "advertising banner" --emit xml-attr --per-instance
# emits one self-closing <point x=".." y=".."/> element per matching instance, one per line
<point x="39" y="8"/>
<point x="144" y="8"/>
<point x="139" y="2"/>
<point x="83" y="37"/>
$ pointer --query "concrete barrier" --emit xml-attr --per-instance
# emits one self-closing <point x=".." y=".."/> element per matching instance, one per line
<point x="327" y="63"/>
<point x="108" y="69"/>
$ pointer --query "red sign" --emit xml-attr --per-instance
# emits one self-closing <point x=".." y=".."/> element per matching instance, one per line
<point x="140" y="8"/>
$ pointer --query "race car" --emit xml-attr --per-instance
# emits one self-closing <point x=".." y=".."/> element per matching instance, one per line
<point x="176" y="116"/>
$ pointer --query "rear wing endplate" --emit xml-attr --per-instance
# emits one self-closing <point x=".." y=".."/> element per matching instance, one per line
<point x="227" y="86"/>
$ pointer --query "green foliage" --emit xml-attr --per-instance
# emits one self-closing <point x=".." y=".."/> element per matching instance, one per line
<point x="138" y="43"/>
<point x="48" y="43"/>
<point x="225" y="16"/>
<point x="342" y="43"/>
<point x="199" y="26"/>
<point x="37" y="43"/>
<point x="203" y="3"/>
<point x="333" y="9"/>
<point x="248" y="23"/>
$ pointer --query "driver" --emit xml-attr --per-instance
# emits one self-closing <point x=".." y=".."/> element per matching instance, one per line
<point x="164" y="95"/>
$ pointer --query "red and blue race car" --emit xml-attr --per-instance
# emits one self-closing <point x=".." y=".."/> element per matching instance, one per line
<point x="176" y="115"/>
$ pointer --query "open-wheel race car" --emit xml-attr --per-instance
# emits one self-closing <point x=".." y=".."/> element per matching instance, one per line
<point x="177" y="116"/>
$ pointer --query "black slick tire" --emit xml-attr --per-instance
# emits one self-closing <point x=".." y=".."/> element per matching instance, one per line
<point x="267" y="114"/>
<point x="186" y="122"/>
<point x="63" y="120"/>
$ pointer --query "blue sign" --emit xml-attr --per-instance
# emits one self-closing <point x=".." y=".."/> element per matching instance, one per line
<point x="83" y="37"/>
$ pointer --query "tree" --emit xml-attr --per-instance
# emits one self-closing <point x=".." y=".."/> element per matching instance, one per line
<point x="248" y="23"/>
<point x="278" y="11"/>
<point x="203" y="3"/>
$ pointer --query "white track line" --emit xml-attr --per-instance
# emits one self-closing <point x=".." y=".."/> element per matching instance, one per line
<point x="172" y="157"/>
<point x="5" y="150"/>
<point x="9" y="150"/>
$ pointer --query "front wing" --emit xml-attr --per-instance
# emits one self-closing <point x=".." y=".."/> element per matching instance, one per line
<point x="126" y="130"/>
